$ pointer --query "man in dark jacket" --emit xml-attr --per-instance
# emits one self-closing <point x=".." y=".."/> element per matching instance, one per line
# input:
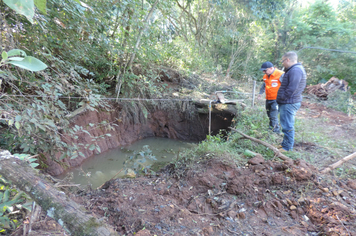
<point x="289" y="97"/>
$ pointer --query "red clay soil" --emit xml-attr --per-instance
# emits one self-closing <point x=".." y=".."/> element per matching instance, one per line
<point x="316" y="110"/>
<point x="217" y="197"/>
<point x="214" y="197"/>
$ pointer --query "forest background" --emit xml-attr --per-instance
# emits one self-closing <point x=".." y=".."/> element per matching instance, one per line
<point x="90" y="48"/>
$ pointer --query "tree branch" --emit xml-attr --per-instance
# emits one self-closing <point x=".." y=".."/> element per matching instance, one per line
<point x="338" y="163"/>
<point x="274" y="149"/>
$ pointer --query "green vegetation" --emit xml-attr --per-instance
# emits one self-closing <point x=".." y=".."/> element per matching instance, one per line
<point x="315" y="142"/>
<point x="13" y="205"/>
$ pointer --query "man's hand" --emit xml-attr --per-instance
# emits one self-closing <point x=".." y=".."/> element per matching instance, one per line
<point x="259" y="96"/>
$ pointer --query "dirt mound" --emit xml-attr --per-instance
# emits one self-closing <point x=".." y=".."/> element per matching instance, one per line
<point x="216" y="198"/>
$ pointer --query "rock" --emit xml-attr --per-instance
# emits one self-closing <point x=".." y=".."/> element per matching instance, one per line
<point x="242" y="215"/>
<point x="130" y="174"/>
<point x="351" y="184"/>
<point x="257" y="160"/>
<point x="301" y="173"/>
<point x="337" y="192"/>
<point x="287" y="192"/>
<point x="208" y="230"/>
<point x="300" y="211"/>
<point x="232" y="214"/>
<point x="280" y="167"/>
<point x="144" y="232"/>
<point x="301" y="200"/>
<point x="289" y="202"/>
<point x="294" y="214"/>
<point x="278" y="179"/>
<point x="305" y="224"/>
<point x="325" y="190"/>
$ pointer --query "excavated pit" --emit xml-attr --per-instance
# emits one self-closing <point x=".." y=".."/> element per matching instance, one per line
<point x="123" y="125"/>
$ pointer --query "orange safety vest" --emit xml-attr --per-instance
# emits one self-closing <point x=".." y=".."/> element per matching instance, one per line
<point x="272" y="84"/>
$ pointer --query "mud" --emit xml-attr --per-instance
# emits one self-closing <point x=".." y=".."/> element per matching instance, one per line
<point x="215" y="197"/>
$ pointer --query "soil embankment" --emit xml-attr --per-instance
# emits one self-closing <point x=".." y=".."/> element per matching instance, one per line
<point x="119" y="127"/>
<point x="216" y="198"/>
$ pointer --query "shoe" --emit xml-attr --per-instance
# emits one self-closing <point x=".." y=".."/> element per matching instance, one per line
<point x="282" y="150"/>
<point x="278" y="146"/>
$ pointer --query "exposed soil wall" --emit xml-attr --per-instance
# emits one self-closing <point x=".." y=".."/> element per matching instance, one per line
<point x="125" y="126"/>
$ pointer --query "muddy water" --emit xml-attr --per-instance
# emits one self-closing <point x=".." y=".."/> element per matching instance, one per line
<point x="141" y="155"/>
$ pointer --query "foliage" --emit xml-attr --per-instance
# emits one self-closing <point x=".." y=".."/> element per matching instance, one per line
<point x="35" y="107"/>
<point x="214" y="145"/>
<point x="11" y="203"/>
<point x="141" y="161"/>
<point x="27" y="158"/>
<point x="19" y="58"/>
<point x="341" y="101"/>
<point x="254" y="122"/>
<point x="26" y="8"/>
<point x="88" y="45"/>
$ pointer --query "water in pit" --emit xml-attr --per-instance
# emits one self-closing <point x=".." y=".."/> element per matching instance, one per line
<point x="97" y="169"/>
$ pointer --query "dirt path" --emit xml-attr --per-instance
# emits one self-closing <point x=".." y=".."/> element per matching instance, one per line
<point x="331" y="136"/>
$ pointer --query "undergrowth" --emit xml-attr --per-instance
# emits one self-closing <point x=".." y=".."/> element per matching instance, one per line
<point x="314" y="141"/>
<point x="254" y="122"/>
<point x="341" y="101"/>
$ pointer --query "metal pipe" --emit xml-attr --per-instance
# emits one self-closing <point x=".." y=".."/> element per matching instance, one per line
<point x="253" y="93"/>
<point x="210" y="116"/>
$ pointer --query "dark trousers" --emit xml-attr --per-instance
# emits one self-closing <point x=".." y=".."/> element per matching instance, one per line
<point x="272" y="113"/>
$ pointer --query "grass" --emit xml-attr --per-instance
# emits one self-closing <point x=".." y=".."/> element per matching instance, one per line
<point x="341" y="102"/>
<point x="321" y="147"/>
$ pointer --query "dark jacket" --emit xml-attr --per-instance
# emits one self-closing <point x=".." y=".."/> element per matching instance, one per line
<point x="293" y="84"/>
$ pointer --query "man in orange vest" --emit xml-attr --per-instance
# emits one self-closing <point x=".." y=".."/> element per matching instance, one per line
<point x="272" y="81"/>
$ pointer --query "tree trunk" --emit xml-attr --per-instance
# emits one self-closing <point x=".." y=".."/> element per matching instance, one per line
<point x="66" y="212"/>
<point x="140" y="34"/>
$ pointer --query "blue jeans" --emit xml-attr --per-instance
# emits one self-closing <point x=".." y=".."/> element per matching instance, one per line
<point x="287" y="117"/>
<point x="272" y="113"/>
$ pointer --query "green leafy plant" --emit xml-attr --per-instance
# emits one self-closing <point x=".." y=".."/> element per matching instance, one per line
<point x="28" y="158"/>
<point x="140" y="161"/>
<point x="11" y="202"/>
<point x="27" y="8"/>
<point x="19" y="58"/>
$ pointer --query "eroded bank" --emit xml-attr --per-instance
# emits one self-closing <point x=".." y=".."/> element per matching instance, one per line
<point x="124" y="124"/>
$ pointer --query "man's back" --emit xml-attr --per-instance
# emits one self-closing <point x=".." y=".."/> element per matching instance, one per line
<point x="293" y="85"/>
